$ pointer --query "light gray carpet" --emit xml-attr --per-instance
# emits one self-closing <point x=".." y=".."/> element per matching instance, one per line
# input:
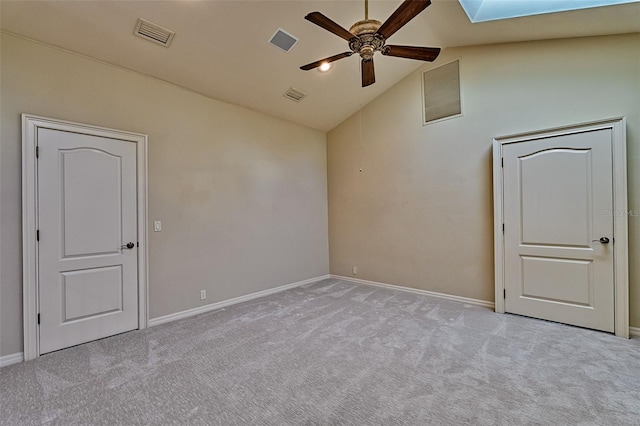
<point x="334" y="353"/>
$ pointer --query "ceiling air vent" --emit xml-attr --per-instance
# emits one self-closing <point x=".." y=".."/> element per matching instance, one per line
<point x="283" y="40"/>
<point x="152" y="32"/>
<point x="294" y="94"/>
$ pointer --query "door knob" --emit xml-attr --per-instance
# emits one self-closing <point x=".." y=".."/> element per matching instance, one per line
<point x="603" y="240"/>
<point x="131" y="245"/>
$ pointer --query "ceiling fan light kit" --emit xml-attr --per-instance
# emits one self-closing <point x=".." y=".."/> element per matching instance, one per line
<point x="324" y="67"/>
<point x="369" y="36"/>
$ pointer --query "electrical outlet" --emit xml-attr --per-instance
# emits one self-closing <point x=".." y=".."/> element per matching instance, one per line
<point x="203" y="294"/>
<point x="354" y="270"/>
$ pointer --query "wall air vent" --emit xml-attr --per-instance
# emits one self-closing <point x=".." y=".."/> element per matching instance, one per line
<point x="294" y="94"/>
<point x="283" y="40"/>
<point x="441" y="92"/>
<point x="152" y="32"/>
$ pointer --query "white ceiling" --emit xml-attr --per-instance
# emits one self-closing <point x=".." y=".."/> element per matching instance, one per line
<point x="221" y="47"/>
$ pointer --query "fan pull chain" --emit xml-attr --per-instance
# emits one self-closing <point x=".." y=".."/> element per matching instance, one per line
<point x="360" y="135"/>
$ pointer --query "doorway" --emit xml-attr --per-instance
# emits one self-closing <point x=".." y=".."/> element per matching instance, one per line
<point x="84" y="233"/>
<point x="560" y="244"/>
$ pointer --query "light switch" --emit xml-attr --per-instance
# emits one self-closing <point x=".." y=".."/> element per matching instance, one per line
<point x="157" y="226"/>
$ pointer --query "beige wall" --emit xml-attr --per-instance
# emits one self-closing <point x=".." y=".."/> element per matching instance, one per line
<point x="242" y="196"/>
<point x="420" y="212"/>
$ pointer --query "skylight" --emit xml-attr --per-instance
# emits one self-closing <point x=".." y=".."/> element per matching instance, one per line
<point x="491" y="10"/>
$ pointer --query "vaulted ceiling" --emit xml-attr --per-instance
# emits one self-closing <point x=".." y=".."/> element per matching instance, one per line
<point x="221" y="48"/>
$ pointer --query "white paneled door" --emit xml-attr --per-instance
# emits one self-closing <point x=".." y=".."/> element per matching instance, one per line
<point x="87" y="223"/>
<point x="558" y="234"/>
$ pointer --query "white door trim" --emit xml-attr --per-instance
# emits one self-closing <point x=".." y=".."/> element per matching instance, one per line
<point x="620" y="219"/>
<point x="30" y="125"/>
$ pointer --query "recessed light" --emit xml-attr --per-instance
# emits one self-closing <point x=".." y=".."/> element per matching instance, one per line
<point x="326" y="66"/>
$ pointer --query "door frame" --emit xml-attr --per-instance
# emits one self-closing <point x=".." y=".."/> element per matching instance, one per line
<point x="30" y="308"/>
<point x="620" y="222"/>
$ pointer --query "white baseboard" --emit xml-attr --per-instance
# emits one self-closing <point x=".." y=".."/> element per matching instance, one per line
<point x="634" y="331"/>
<point x="213" y="306"/>
<point x="11" y="359"/>
<point x="470" y="301"/>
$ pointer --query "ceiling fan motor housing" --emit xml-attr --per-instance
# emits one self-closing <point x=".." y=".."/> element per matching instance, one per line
<point x="366" y="41"/>
<point x="369" y="36"/>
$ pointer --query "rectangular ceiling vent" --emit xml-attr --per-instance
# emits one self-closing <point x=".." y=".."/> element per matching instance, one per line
<point x="294" y="94"/>
<point x="283" y="40"/>
<point x="152" y="32"/>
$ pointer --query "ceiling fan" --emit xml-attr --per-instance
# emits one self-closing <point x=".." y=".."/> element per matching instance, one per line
<point x="369" y="36"/>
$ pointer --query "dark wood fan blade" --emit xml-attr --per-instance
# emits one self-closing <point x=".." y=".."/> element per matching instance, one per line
<point x="412" y="52"/>
<point x="368" y="73"/>
<point x="408" y="10"/>
<point x="322" y="21"/>
<point x="316" y="64"/>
